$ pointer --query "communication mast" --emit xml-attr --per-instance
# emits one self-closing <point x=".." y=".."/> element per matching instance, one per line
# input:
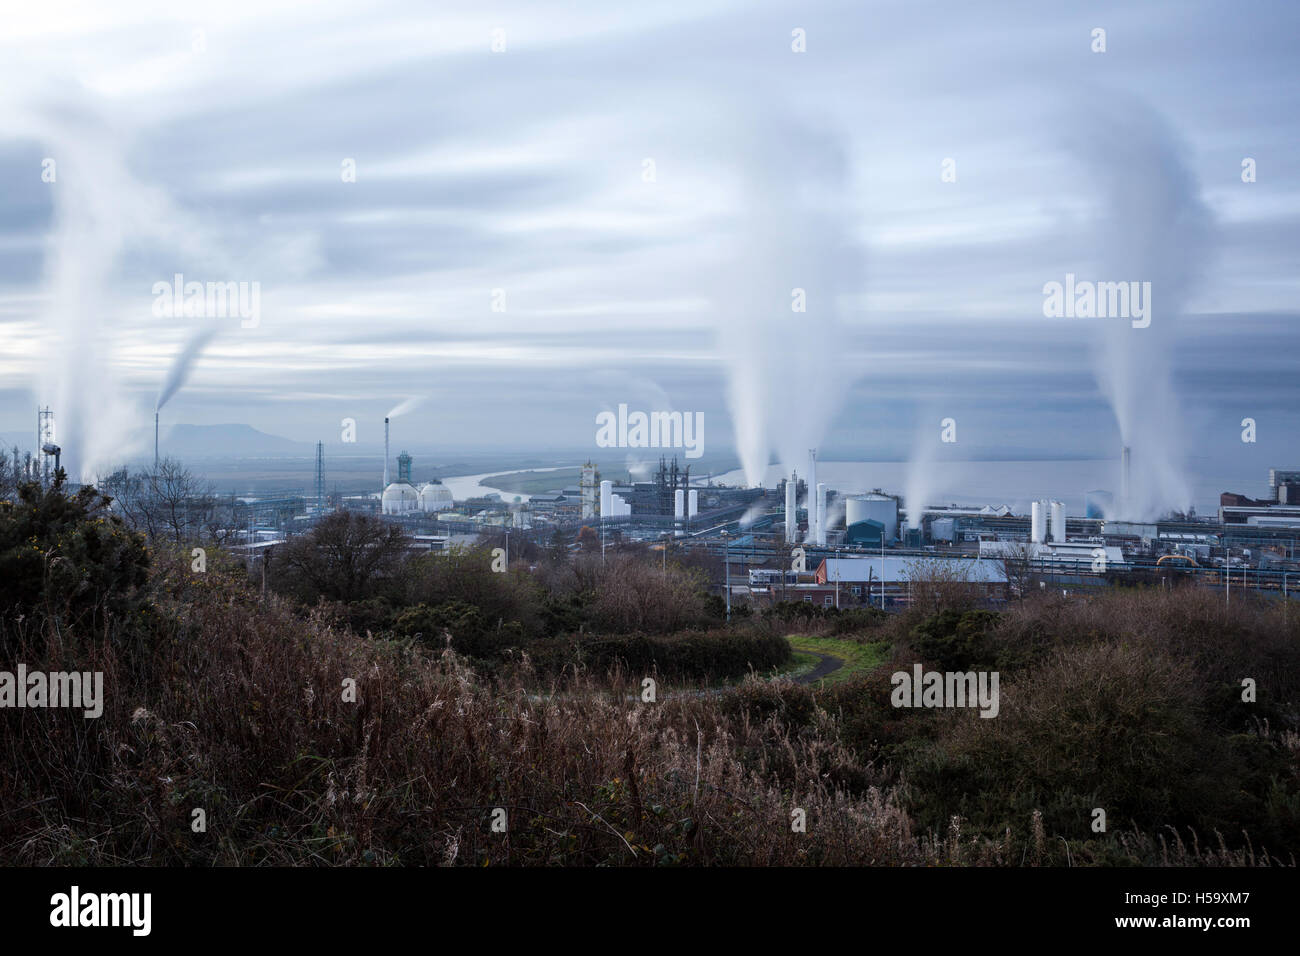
<point x="44" y="436"/>
<point x="320" y="477"/>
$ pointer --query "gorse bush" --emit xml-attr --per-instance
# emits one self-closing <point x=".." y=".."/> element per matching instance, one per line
<point x="67" y="566"/>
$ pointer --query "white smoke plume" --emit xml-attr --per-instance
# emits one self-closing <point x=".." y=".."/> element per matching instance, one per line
<point x="100" y="209"/>
<point x="919" y="483"/>
<point x="409" y="405"/>
<point x="786" y="380"/>
<point x="1152" y="227"/>
<point x="179" y="372"/>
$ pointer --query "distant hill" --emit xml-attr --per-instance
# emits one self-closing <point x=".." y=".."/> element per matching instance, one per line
<point x="228" y="441"/>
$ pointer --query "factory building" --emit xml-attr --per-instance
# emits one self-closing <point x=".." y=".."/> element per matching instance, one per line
<point x="1282" y="511"/>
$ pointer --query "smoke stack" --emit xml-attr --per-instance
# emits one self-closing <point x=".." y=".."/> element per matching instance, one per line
<point x="791" y="506"/>
<point x="155" y="439"/>
<point x="385" y="452"/>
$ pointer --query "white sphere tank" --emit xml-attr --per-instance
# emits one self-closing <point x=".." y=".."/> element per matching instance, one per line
<point x="435" y="497"/>
<point x="400" y="498"/>
<point x="881" y="509"/>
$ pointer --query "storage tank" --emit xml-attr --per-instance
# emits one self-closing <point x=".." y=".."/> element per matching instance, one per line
<point x="692" y="503"/>
<point x="1037" y="522"/>
<point x="943" y="529"/>
<point x="1058" y="520"/>
<point x="881" y="509"/>
<point x="606" y="498"/>
<point x="811" y="503"/>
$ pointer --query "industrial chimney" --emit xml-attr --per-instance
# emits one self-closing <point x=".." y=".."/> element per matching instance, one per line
<point x="791" y="506"/>
<point x="385" y="452"/>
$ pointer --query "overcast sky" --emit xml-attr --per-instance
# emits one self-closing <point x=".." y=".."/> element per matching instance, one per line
<point x="215" y="144"/>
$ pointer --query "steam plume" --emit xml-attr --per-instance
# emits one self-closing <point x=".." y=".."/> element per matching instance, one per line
<point x="184" y="361"/>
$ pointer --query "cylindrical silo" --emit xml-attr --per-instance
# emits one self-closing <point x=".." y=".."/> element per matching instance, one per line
<point x="812" y="494"/>
<point x="1037" y="523"/>
<point x="881" y="509"/>
<point x="1058" y="520"/>
<point x="692" y="503"/>
<point x="606" y="498"/>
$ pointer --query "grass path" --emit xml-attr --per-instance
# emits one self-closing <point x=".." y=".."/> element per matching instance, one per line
<point x="858" y="657"/>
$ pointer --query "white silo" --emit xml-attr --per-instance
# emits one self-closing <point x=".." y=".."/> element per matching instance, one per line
<point x="811" y="503"/>
<point x="692" y="503"/>
<point x="1058" y="520"/>
<point x="606" y="498"/>
<point x="821" y="515"/>
<point x="791" y="507"/>
<point x="1037" y="523"/>
<point x="679" y="504"/>
<point x="881" y="509"/>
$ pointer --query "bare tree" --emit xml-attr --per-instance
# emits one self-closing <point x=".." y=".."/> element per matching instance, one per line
<point x="344" y="557"/>
<point x="940" y="585"/>
<point x="1017" y="565"/>
<point x="171" y="504"/>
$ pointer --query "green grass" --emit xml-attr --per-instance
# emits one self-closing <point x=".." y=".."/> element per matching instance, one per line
<point x="858" y="656"/>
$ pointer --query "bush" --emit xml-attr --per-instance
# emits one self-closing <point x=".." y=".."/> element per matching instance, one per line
<point x="956" y="640"/>
<point x="67" y="563"/>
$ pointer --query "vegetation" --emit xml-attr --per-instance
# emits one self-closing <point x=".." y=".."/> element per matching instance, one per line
<point x="859" y="655"/>
<point x="307" y="739"/>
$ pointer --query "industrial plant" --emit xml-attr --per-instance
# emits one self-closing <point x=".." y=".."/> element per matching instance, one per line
<point x="803" y="540"/>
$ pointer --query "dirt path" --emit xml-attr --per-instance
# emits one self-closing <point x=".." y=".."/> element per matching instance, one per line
<point x="828" y="664"/>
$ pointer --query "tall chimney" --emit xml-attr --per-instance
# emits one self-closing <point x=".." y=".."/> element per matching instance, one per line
<point x="155" y="439"/>
<point x="385" y="452"/>
<point x="791" y="506"/>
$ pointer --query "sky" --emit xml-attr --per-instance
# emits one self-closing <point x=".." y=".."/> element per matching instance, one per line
<point x="522" y="214"/>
